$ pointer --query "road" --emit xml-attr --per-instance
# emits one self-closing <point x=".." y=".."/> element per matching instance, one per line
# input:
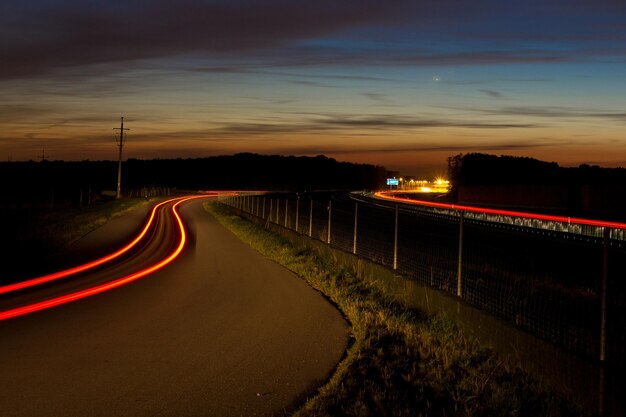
<point x="219" y="331"/>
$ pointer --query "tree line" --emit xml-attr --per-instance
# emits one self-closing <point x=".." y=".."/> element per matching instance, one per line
<point x="74" y="182"/>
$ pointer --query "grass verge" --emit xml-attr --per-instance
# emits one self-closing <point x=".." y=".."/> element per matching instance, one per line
<point x="34" y="234"/>
<point x="65" y="226"/>
<point x="402" y="362"/>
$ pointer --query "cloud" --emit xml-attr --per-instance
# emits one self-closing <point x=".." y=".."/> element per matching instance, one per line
<point x="266" y="69"/>
<point x="546" y="112"/>
<point x="336" y="123"/>
<point x="552" y="112"/>
<point x="430" y="147"/>
<point x="525" y="80"/>
<point x="310" y="83"/>
<point x="492" y="93"/>
<point x="10" y="113"/>
<point x="395" y="122"/>
<point x="44" y="36"/>
<point x="377" y="97"/>
<point x="339" y="56"/>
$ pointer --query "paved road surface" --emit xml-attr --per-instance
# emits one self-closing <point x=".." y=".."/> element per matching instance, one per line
<point x="220" y="332"/>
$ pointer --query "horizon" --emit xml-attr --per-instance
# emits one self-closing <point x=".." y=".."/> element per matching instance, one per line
<point x="398" y="84"/>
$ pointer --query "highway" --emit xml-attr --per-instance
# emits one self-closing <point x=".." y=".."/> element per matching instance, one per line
<point x="184" y="321"/>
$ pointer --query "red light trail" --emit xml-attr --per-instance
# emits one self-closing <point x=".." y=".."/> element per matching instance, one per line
<point x="84" y="267"/>
<point x="19" y="311"/>
<point x="573" y="220"/>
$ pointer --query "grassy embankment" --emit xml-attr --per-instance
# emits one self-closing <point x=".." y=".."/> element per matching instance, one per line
<point x="63" y="227"/>
<point x="402" y="362"/>
<point x="36" y="233"/>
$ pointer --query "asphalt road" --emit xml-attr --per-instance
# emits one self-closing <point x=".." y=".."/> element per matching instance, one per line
<point x="221" y="331"/>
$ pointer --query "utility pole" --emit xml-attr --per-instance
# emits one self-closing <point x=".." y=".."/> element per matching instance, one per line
<point x="120" y="143"/>
<point x="43" y="155"/>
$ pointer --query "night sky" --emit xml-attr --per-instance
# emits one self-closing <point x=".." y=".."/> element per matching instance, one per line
<point x="400" y="83"/>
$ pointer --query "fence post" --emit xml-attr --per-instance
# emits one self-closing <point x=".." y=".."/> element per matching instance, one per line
<point x="269" y="218"/>
<point x="603" y="292"/>
<point x="356" y="216"/>
<point x="459" y="281"/>
<point x="395" y="241"/>
<point x="297" y="212"/>
<point x="256" y="199"/>
<point x="330" y="211"/>
<point x="263" y="207"/>
<point x="286" y="210"/>
<point x="311" y="219"/>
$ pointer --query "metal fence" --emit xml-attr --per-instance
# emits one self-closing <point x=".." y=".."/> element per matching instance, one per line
<point x="560" y="282"/>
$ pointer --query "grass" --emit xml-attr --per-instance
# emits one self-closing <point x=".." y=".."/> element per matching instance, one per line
<point x="66" y="226"/>
<point x="401" y="362"/>
<point x="36" y="233"/>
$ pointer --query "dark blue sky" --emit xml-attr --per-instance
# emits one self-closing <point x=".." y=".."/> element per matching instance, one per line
<point x="400" y="83"/>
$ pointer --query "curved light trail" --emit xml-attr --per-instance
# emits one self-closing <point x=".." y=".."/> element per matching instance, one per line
<point x="77" y="295"/>
<point x="87" y="266"/>
<point x="386" y="195"/>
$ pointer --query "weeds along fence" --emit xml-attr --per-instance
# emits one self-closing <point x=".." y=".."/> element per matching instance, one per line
<point x="561" y="282"/>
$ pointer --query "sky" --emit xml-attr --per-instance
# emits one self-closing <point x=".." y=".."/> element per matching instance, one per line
<point x="399" y="83"/>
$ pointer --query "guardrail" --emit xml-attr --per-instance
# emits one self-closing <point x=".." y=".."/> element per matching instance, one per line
<point x="586" y="227"/>
<point x="556" y="278"/>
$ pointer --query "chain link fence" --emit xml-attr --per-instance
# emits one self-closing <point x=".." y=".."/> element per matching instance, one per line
<point x="560" y="282"/>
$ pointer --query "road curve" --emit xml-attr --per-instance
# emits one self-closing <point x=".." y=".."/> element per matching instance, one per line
<point x="219" y="331"/>
<point x="159" y="243"/>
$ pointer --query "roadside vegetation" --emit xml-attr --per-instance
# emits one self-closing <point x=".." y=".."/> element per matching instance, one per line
<point x="66" y="226"/>
<point x="61" y="227"/>
<point x="30" y="234"/>
<point x="401" y="362"/>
